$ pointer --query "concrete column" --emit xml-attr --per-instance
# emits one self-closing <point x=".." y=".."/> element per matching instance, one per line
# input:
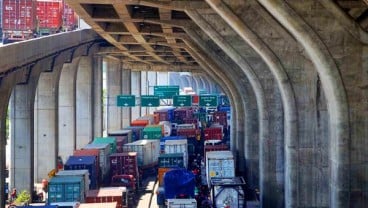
<point x="97" y="97"/>
<point x="144" y="90"/>
<point x="152" y="81"/>
<point x="6" y="86"/>
<point x="66" y="109"/>
<point x="84" y="102"/>
<point x="126" y="89"/>
<point x="113" y="90"/>
<point x="45" y="124"/>
<point x="136" y="90"/>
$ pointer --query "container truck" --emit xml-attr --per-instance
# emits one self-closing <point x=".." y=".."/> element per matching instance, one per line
<point x="66" y="189"/>
<point x="99" y="205"/>
<point x="18" y="20"/>
<point x="147" y="152"/>
<point x="104" y="157"/>
<point x="163" y="139"/>
<point x="181" y="203"/>
<point x="122" y="137"/>
<point x="178" y="146"/>
<point x="81" y="163"/>
<point x="219" y="164"/>
<point x="81" y="173"/>
<point x="109" y="194"/>
<point x="106" y="140"/>
<point x="49" y="16"/>
<point x="70" y="18"/>
<point x="228" y="192"/>
<point x="179" y="183"/>
<point x="124" y="170"/>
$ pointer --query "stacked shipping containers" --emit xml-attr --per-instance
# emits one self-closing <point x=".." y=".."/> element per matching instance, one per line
<point x="66" y="189"/>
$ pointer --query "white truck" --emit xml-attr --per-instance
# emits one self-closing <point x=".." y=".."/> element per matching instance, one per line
<point x="181" y="203"/>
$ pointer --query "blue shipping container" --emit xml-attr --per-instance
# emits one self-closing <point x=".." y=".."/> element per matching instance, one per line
<point x="66" y="189"/>
<point x="137" y="132"/>
<point x="179" y="182"/>
<point x="84" y="162"/>
<point x="163" y="139"/>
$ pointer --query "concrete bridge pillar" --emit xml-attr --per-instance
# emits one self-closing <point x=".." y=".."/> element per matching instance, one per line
<point x="127" y="90"/>
<point x="114" y="118"/>
<point x="96" y="97"/>
<point x="45" y="124"/>
<point x="66" y="109"/>
<point x="136" y="90"/>
<point x="84" y="102"/>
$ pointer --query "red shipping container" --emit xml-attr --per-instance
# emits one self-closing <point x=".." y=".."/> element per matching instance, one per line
<point x="70" y="18"/>
<point x="125" y="163"/>
<point x="161" y="115"/>
<point x="111" y="194"/>
<point x="182" y="113"/>
<point x="190" y="133"/>
<point x="210" y="148"/>
<point x="19" y="19"/>
<point x="213" y="133"/>
<point x="90" y="152"/>
<point x="49" y="15"/>
<point x="139" y="123"/>
<point x="191" y="121"/>
<point x="220" y="117"/>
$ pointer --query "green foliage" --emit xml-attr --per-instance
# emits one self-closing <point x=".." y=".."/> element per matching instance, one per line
<point x="23" y="198"/>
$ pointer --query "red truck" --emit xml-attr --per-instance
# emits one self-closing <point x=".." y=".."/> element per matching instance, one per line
<point x="19" y="20"/>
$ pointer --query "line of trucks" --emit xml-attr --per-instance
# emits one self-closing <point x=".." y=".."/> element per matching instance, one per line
<point x="187" y="148"/>
<point x="27" y="19"/>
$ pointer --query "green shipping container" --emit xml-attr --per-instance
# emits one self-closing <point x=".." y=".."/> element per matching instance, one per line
<point x="106" y="140"/>
<point x="171" y="160"/>
<point x="152" y="132"/>
<point x="66" y="189"/>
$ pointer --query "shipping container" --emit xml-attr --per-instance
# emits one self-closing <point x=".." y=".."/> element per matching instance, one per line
<point x="66" y="189"/>
<point x="122" y="137"/>
<point x="189" y="133"/>
<point x="220" y="117"/>
<point x="125" y="163"/>
<point x="163" y="139"/>
<point x="195" y="100"/>
<point x="137" y="132"/>
<point x="186" y="126"/>
<point x="150" y="118"/>
<point x="182" y="113"/>
<point x="99" y="205"/>
<point x="108" y="194"/>
<point x="84" y="162"/>
<point x="167" y="127"/>
<point x="70" y="18"/>
<point x="49" y="16"/>
<point x="178" y="146"/>
<point x="90" y="152"/>
<point x="106" y="140"/>
<point x="166" y="114"/>
<point x="104" y="157"/>
<point x="181" y="203"/>
<point x="82" y="173"/>
<point x="171" y="160"/>
<point x="192" y="121"/>
<point x="179" y="182"/>
<point x="213" y="133"/>
<point x="147" y="152"/>
<point x="228" y="192"/>
<point x="139" y="123"/>
<point x="216" y="147"/>
<point x="66" y="204"/>
<point x="161" y="173"/>
<point x="19" y="20"/>
<point x="153" y="132"/>
<point x="219" y="164"/>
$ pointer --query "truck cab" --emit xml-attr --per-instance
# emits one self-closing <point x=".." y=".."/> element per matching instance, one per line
<point x="128" y="181"/>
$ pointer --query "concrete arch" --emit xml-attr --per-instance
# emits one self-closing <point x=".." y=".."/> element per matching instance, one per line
<point x="333" y="86"/>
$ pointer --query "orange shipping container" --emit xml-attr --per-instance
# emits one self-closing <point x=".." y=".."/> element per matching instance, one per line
<point x="161" y="172"/>
<point x="108" y="194"/>
<point x="139" y="123"/>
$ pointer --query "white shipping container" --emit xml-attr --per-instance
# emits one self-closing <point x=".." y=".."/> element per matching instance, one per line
<point x="83" y="173"/>
<point x="219" y="164"/>
<point x="104" y="156"/>
<point x="181" y="203"/>
<point x="147" y="151"/>
<point x="167" y="127"/>
<point x="178" y="146"/>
